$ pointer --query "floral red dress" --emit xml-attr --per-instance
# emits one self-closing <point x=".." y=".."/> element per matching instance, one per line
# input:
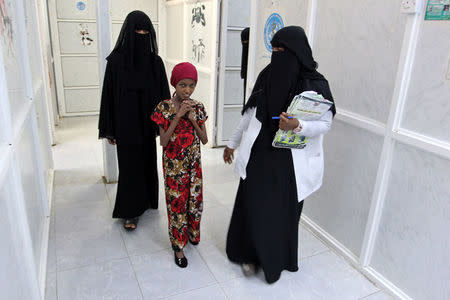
<point x="182" y="174"/>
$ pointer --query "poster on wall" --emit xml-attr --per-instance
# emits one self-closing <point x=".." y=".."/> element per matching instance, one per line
<point x="81" y="5"/>
<point x="273" y="23"/>
<point x="86" y="39"/>
<point x="6" y="28"/>
<point x="199" y="40"/>
<point x="11" y="51"/>
<point x="438" y="10"/>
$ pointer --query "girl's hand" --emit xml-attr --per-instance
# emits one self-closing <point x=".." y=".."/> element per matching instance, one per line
<point x="191" y="113"/>
<point x="287" y="124"/>
<point x="184" y="108"/>
<point x="191" y="116"/>
<point x="112" y="141"/>
<point x="228" y="155"/>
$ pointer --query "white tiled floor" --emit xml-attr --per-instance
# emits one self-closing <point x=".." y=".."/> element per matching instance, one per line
<point x="92" y="257"/>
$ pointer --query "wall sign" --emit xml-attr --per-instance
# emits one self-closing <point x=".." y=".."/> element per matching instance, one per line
<point x="85" y="37"/>
<point x="198" y="25"/>
<point x="273" y="24"/>
<point x="198" y="15"/>
<point x="81" y="5"/>
<point x="438" y="10"/>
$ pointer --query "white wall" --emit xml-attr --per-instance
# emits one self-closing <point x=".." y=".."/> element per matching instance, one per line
<point x="413" y="245"/>
<point x="17" y="280"/>
<point x="362" y="40"/>
<point x="385" y="194"/>
<point x="292" y="13"/>
<point x="26" y="161"/>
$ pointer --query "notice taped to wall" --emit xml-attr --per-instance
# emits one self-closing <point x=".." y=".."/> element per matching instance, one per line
<point x="438" y="10"/>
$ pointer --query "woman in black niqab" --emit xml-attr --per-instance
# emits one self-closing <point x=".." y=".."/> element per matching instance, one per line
<point x="135" y="82"/>
<point x="245" y="37"/>
<point x="290" y="72"/>
<point x="264" y="226"/>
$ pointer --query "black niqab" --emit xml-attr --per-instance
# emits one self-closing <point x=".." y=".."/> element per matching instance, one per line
<point x="135" y="82"/>
<point x="289" y="73"/>
<point x="128" y="43"/>
<point x="245" y="35"/>
<point x="294" y="38"/>
<point x="282" y="80"/>
<point x="138" y="50"/>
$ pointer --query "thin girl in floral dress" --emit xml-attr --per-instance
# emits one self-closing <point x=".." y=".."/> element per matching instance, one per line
<point x="181" y="122"/>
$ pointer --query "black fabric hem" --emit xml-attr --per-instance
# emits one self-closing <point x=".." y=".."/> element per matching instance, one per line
<point x="123" y="216"/>
<point x="269" y="278"/>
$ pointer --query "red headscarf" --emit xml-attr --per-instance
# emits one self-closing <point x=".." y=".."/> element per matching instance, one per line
<point x="182" y="71"/>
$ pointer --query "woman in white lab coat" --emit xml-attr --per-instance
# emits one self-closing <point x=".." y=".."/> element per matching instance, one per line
<point x="274" y="182"/>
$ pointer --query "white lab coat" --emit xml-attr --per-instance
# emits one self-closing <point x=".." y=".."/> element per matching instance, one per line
<point x="308" y="162"/>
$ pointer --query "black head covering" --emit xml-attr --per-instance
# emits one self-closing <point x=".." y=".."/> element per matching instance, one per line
<point x="289" y="73"/>
<point x="134" y="45"/>
<point x="281" y="84"/>
<point x="294" y="38"/>
<point x="245" y="35"/>
<point x="137" y="51"/>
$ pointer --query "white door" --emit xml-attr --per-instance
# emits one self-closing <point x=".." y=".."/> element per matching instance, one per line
<point x="74" y="42"/>
<point x="235" y="17"/>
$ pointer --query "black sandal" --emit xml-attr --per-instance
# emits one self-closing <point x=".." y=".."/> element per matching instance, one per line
<point x="181" y="262"/>
<point x="131" y="222"/>
<point x="193" y="243"/>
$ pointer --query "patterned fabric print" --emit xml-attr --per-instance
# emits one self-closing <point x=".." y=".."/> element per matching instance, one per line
<point x="182" y="174"/>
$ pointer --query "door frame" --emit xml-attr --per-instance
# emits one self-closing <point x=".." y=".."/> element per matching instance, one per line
<point x="222" y="22"/>
<point x="222" y="68"/>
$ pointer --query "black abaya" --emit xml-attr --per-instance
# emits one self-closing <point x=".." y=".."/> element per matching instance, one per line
<point x="137" y="189"/>
<point x="135" y="82"/>
<point x="264" y="224"/>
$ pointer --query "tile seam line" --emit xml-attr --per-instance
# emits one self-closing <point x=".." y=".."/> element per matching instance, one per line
<point x="128" y="256"/>
<point x="187" y="291"/>
<point x="207" y="265"/>
<point x="88" y="265"/>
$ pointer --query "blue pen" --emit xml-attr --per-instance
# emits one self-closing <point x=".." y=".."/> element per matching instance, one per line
<point x="277" y="118"/>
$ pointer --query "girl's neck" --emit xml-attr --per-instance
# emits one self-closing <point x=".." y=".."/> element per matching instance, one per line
<point x="176" y="99"/>
<point x="176" y="102"/>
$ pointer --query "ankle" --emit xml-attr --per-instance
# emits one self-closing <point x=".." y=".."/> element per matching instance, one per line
<point x="179" y="254"/>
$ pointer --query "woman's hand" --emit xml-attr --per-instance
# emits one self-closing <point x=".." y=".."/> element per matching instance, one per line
<point x="112" y="141"/>
<point x="228" y="155"/>
<point x="287" y="124"/>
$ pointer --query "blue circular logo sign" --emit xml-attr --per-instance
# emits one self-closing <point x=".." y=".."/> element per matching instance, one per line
<point x="81" y="5"/>
<point x="273" y="24"/>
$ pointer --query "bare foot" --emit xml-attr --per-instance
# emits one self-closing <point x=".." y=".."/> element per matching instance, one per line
<point x="130" y="226"/>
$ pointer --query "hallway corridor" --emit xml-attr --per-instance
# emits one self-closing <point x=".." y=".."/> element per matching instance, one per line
<point x="92" y="257"/>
